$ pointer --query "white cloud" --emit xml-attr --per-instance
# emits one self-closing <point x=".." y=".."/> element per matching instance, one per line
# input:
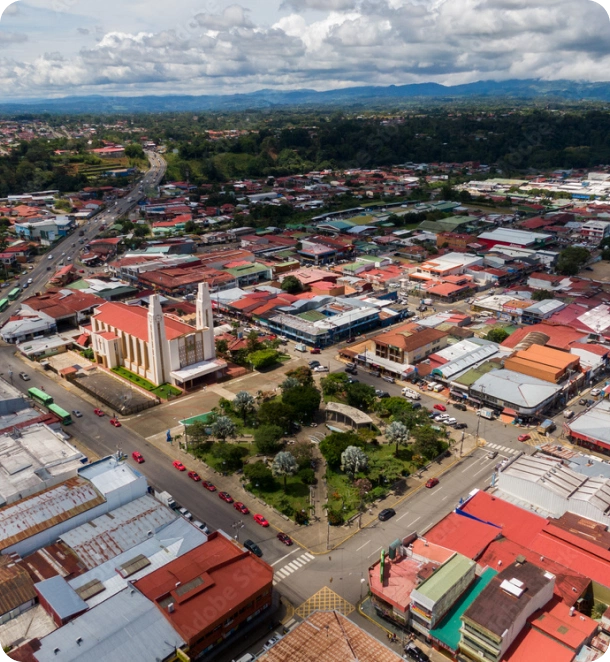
<point x="341" y="43"/>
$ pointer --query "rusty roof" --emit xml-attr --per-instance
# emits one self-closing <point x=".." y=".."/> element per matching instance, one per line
<point x="37" y="513"/>
<point x="16" y="586"/>
<point x="55" y="559"/>
<point x="331" y="637"/>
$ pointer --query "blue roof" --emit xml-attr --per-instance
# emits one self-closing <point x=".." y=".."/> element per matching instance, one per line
<point x="61" y="597"/>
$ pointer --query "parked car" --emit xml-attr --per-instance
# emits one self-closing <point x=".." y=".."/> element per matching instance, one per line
<point x="243" y="509"/>
<point x="77" y="413"/>
<point x="523" y="437"/>
<point x="415" y="653"/>
<point x="178" y="465"/>
<point x="440" y="407"/>
<point x="251" y="546"/>
<point x="259" y="519"/>
<point x="225" y="496"/>
<point x="285" y="538"/>
<point x="209" y="486"/>
<point x="385" y="514"/>
<point x="321" y="368"/>
<point x="451" y="421"/>
<point x="389" y="379"/>
<point x="201" y="525"/>
<point x="271" y="642"/>
<point x="314" y="364"/>
<point x="115" y="422"/>
<point x="461" y="426"/>
<point x="137" y="456"/>
<point x="492" y="455"/>
<point x="99" y="412"/>
<point x="193" y="475"/>
<point x="431" y="482"/>
<point x="314" y="350"/>
<point x="185" y="513"/>
<point x="568" y="413"/>
<point x="595" y="392"/>
<point x="460" y="406"/>
<point x="24" y="376"/>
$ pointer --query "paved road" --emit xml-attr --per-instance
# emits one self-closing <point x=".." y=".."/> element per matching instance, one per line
<point x="69" y="247"/>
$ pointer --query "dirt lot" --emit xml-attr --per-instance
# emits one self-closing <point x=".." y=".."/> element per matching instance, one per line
<point x="601" y="272"/>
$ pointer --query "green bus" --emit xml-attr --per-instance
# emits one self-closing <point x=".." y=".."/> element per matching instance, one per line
<point x="40" y="396"/>
<point x="3" y="305"/>
<point x="13" y="294"/>
<point x="62" y="414"/>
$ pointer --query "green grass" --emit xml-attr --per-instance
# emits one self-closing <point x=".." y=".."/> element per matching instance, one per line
<point x="295" y="499"/>
<point x="163" y="391"/>
<point x="216" y="462"/>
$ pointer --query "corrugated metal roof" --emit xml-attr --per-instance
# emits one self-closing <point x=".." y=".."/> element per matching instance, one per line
<point x="61" y="597"/>
<point x="126" y="627"/>
<point x="16" y="586"/>
<point x="49" y="508"/>
<point x="113" y="533"/>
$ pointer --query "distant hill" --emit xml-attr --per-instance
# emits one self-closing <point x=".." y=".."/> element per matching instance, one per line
<point x="561" y="90"/>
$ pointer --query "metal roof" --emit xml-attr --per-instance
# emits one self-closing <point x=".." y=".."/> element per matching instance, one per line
<point x="126" y="627"/>
<point x="168" y="543"/>
<point x="515" y="388"/>
<point x="47" y="509"/>
<point x="113" y="533"/>
<point x="109" y="474"/>
<point x="593" y="423"/>
<point x="443" y="580"/>
<point x="61" y="597"/>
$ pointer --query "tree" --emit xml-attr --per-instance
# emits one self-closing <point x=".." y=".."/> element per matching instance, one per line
<point x="542" y="295"/>
<point x="353" y="460"/>
<point x="497" y="335"/>
<point x="196" y="433"/>
<point x="263" y="358"/>
<point x="571" y="260"/>
<point x="360" y="396"/>
<point x="304" y="400"/>
<point x="260" y="476"/>
<point x="364" y="486"/>
<point x="303" y="454"/>
<point x="253" y="344"/>
<point x="292" y="285"/>
<point x="384" y="470"/>
<point x="230" y="454"/>
<point x="397" y="433"/>
<point x="334" y="383"/>
<point x="333" y="445"/>
<point x="222" y="347"/>
<point x="288" y="383"/>
<point x="275" y="412"/>
<point x="266" y="439"/>
<point x="427" y="442"/>
<point x="244" y="404"/>
<point x="303" y="374"/>
<point x="223" y="428"/>
<point x="284" y="465"/>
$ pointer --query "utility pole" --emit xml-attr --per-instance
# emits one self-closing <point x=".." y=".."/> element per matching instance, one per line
<point x="462" y="444"/>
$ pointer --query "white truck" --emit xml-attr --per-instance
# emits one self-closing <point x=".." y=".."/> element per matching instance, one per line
<point x="411" y="394"/>
<point x="300" y="347"/>
<point x="165" y="498"/>
<point x="486" y="413"/>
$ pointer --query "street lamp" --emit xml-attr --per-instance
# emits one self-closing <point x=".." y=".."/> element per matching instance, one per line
<point x="237" y="526"/>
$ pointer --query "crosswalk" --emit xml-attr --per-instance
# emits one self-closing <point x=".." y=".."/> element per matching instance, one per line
<point x="291" y="567"/>
<point x="502" y="449"/>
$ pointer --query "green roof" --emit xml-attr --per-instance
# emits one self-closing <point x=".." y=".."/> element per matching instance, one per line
<point x="79" y="285"/>
<point x="449" y="224"/>
<point x="363" y="219"/>
<point x="204" y="418"/>
<point x="353" y="266"/>
<point x="247" y="270"/>
<point x="448" y="632"/>
<point x="470" y="377"/>
<point x="445" y="577"/>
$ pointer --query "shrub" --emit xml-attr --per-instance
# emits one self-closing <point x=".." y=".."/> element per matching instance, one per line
<point x="376" y="493"/>
<point x="335" y="518"/>
<point x="301" y="517"/>
<point x="307" y="476"/>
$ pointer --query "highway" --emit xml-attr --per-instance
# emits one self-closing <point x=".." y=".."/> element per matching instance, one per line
<point x="68" y="248"/>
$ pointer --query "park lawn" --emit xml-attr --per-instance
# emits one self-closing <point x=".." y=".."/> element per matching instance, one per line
<point x="295" y="499"/>
<point x="216" y="462"/>
<point x="166" y="391"/>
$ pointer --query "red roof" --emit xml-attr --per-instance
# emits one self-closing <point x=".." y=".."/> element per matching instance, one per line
<point x="464" y="535"/>
<point x="555" y="621"/>
<point x="560" y="336"/>
<point x="533" y="645"/>
<point x="134" y="321"/>
<point x="222" y="578"/>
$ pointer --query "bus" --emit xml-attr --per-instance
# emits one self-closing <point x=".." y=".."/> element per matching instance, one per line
<point x="13" y="294"/>
<point x="3" y="305"/>
<point x="40" y="396"/>
<point x="62" y="414"/>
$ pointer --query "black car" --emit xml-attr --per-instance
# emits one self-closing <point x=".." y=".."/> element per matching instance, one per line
<point x="416" y="405"/>
<point x="253" y="547"/>
<point x="415" y="653"/>
<point x="314" y="364"/>
<point x="460" y="406"/>
<point x="385" y="514"/>
<point x="461" y="426"/>
<point x="381" y="394"/>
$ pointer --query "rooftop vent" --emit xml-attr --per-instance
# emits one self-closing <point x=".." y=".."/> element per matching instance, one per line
<point x="171" y="608"/>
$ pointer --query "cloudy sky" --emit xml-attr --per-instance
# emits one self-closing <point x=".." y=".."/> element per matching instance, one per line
<point x="127" y="47"/>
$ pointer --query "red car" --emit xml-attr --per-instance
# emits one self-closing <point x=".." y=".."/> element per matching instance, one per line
<point x="286" y="539"/>
<point x="315" y="350"/>
<point x="259" y="519"/>
<point x="178" y="465"/>
<point x="115" y="422"/>
<point x="137" y="457"/>
<point x="98" y="412"/>
<point x="194" y="476"/>
<point x="225" y="496"/>
<point x="523" y="437"/>
<point x="432" y="482"/>
<point x="440" y="407"/>
<point x="208" y="485"/>
<point x="243" y="509"/>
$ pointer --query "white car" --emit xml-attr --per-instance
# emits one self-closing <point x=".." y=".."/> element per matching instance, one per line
<point x="595" y="391"/>
<point x="321" y="368"/>
<point x="185" y="513"/>
<point x="451" y="421"/>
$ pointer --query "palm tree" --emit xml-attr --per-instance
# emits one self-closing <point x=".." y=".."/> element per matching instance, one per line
<point x="244" y="404"/>
<point x="397" y="433"/>
<point x="284" y="465"/>
<point x="353" y="460"/>
<point x="223" y="428"/>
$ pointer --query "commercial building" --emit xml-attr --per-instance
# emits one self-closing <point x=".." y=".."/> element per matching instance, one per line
<point x="515" y="393"/>
<point x="158" y="347"/>
<point x="326" y="636"/>
<point x="408" y="348"/>
<point x="595" y="231"/>
<point x="34" y="459"/>
<point x="451" y="264"/>
<point x="591" y="428"/>
<point x="514" y="238"/>
<point x="494" y="620"/>
<point x="550" y="365"/>
<point x="211" y="592"/>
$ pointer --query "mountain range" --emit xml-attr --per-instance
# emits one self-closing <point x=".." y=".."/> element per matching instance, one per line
<point x="365" y="97"/>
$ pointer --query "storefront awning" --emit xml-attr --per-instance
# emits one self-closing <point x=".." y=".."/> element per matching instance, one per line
<point x="509" y="412"/>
